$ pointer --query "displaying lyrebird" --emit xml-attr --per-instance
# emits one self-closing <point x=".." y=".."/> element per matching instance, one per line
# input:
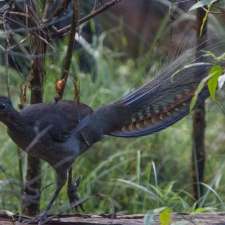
<point x="59" y="132"/>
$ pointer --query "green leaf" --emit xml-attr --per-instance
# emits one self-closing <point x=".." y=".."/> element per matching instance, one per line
<point x="131" y="184"/>
<point x="202" y="3"/>
<point x="215" y="71"/>
<point x="165" y="217"/>
<point x="219" y="58"/>
<point x="197" y="92"/>
<point x="214" y="74"/>
<point x="200" y="210"/>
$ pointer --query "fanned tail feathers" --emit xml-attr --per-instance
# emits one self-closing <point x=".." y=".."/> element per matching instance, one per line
<point x="164" y="100"/>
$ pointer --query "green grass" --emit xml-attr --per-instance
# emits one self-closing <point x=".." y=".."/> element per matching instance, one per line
<point x="128" y="175"/>
<point x="125" y="175"/>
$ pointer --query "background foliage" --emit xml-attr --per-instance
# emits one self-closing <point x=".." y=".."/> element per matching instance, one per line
<point x="125" y="175"/>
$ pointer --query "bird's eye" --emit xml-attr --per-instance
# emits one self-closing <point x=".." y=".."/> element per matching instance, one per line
<point x="2" y="106"/>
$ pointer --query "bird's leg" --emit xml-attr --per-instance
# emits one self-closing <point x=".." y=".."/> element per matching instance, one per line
<point x="72" y="192"/>
<point x="61" y="180"/>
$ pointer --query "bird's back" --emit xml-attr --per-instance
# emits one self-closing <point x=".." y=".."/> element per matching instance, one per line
<point x="65" y="114"/>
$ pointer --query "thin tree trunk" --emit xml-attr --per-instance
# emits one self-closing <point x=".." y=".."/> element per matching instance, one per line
<point x="198" y="151"/>
<point x="31" y="197"/>
<point x="198" y="133"/>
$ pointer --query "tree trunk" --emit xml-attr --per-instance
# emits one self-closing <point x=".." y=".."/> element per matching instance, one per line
<point x="31" y="197"/>
<point x="198" y="133"/>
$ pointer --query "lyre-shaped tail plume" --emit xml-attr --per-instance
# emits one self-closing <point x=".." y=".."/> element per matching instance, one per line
<point x="164" y="100"/>
<point x="154" y="106"/>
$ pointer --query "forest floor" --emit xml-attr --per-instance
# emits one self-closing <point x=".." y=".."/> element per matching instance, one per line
<point x="177" y="219"/>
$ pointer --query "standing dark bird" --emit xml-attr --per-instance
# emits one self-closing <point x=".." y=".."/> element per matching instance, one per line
<point x="59" y="132"/>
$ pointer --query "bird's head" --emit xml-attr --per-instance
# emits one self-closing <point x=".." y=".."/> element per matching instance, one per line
<point x="5" y="106"/>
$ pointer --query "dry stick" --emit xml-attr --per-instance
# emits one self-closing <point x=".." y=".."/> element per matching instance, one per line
<point x="46" y="9"/>
<point x="19" y="154"/>
<point x="90" y="16"/>
<point x="198" y="132"/>
<point x="61" y="8"/>
<point x="65" y="29"/>
<point x="7" y="51"/>
<point x="60" y="85"/>
<point x="57" y="10"/>
<point x="99" y="11"/>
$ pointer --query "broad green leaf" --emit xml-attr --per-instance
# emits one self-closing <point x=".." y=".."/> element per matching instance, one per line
<point x="202" y="3"/>
<point x="214" y="74"/>
<point x="165" y="217"/>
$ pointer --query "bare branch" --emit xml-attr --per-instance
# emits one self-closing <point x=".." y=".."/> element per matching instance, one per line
<point x="68" y="57"/>
<point x="61" y="8"/>
<point x="48" y="4"/>
<point x="93" y="14"/>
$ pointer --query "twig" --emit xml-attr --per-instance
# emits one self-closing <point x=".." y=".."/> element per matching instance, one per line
<point x="35" y="26"/>
<point x="7" y="46"/>
<point x="61" y="8"/>
<point x="46" y="9"/>
<point x="90" y="16"/>
<point x="37" y="138"/>
<point x="98" y="11"/>
<point x="67" y="61"/>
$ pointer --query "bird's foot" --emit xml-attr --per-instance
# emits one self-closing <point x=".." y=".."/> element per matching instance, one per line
<point x="77" y="204"/>
<point x="74" y="199"/>
<point x="41" y="219"/>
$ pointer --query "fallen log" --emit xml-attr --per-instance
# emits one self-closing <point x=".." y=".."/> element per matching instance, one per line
<point x="78" y="219"/>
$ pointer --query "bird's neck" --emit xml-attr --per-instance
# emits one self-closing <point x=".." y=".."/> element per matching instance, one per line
<point x="14" y="121"/>
<point x="18" y="129"/>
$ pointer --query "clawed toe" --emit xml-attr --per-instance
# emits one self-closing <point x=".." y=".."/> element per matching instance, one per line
<point x="40" y="219"/>
<point x="74" y="199"/>
<point x="77" y="204"/>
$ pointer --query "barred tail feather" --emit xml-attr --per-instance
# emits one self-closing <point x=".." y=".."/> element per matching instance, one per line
<point x="163" y="101"/>
<point x="154" y="106"/>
